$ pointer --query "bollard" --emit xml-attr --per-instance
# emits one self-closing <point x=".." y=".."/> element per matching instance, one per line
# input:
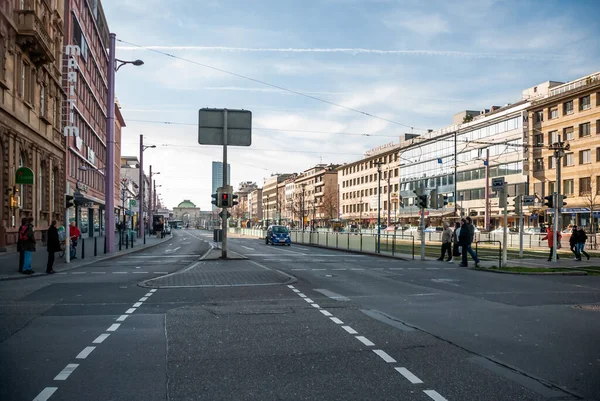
<point x="120" y="239"/>
<point x="126" y="241"/>
<point x="132" y="240"/>
<point x="82" y="248"/>
<point x="95" y="247"/>
<point x="105" y="244"/>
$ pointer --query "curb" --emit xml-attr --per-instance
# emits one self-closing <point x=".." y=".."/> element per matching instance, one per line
<point x="98" y="259"/>
<point x="572" y="273"/>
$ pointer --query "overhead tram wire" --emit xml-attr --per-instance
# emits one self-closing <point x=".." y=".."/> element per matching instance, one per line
<point x="273" y="86"/>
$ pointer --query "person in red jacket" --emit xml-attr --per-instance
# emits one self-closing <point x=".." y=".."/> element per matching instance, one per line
<point x="550" y="237"/>
<point x="75" y="234"/>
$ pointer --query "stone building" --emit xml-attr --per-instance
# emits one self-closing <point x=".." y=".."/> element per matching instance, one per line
<point x="31" y="42"/>
<point x="187" y="212"/>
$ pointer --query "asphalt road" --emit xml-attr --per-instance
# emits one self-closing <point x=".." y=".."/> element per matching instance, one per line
<point x="295" y="323"/>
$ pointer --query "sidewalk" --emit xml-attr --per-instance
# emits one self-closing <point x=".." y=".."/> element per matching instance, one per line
<point x="9" y="261"/>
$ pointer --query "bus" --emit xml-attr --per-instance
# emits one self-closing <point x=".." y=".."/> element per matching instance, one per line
<point x="176" y="224"/>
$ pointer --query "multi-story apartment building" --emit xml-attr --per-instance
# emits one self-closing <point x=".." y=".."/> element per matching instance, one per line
<point x="359" y="186"/>
<point x="255" y="206"/>
<point x="273" y="197"/>
<point x="317" y="196"/>
<point x="31" y="142"/>
<point x="241" y="211"/>
<point x="569" y="113"/>
<point x="287" y="189"/>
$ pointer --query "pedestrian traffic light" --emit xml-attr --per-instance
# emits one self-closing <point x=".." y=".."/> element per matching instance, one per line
<point x="549" y="201"/>
<point x="215" y="199"/>
<point x="224" y="199"/>
<point x="233" y="200"/>
<point x="433" y="199"/>
<point x="69" y="201"/>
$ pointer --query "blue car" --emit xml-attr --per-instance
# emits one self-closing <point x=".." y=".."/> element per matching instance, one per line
<point x="278" y="235"/>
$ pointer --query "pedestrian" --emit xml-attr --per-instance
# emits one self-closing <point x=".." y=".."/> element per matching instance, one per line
<point x="467" y="233"/>
<point x="52" y="246"/>
<point x="20" y="244"/>
<point x="573" y="243"/>
<point x="455" y="234"/>
<point x="581" y="239"/>
<point x="75" y="234"/>
<point x="27" y="237"/>
<point x="446" y="243"/>
<point x="550" y="237"/>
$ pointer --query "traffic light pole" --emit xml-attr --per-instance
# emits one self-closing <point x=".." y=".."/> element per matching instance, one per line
<point x="520" y="200"/>
<point x="67" y="233"/>
<point x="505" y="232"/>
<point x="422" y="233"/>
<point x="224" y="218"/>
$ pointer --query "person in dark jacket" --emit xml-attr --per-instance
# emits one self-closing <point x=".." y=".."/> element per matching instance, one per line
<point x="20" y="244"/>
<point x="53" y="246"/>
<point x="455" y="251"/>
<point x="27" y="237"/>
<point x="467" y="233"/>
<point x="573" y="243"/>
<point x="581" y="239"/>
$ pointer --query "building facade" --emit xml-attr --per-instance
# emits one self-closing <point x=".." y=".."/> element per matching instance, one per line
<point x="570" y="113"/>
<point x="273" y="198"/>
<point x="316" y="196"/>
<point x="187" y="212"/>
<point x="31" y="43"/>
<point x="255" y="206"/>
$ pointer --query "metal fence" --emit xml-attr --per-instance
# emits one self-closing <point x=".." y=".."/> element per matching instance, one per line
<point x="489" y="252"/>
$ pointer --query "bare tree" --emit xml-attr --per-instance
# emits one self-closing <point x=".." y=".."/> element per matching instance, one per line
<point x="240" y="210"/>
<point x="329" y="206"/>
<point x="591" y="196"/>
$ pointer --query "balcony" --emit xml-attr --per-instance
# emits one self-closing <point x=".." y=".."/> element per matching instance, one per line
<point x="33" y="36"/>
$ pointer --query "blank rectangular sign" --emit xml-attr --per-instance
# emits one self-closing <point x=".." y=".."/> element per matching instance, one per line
<point x="239" y="127"/>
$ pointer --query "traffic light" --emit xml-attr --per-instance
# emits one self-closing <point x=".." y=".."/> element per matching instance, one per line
<point x="444" y="200"/>
<point x="401" y="201"/>
<point x="518" y="205"/>
<point x="69" y="201"/>
<point x="561" y="200"/>
<point x="215" y="199"/>
<point x="224" y="199"/>
<point x="433" y="199"/>
<point x="549" y="201"/>
<point x="422" y="201"/>
<point x="233" y="200"/>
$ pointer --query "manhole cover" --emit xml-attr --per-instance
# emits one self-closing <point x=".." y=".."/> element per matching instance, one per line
<point x="594" y="308"/>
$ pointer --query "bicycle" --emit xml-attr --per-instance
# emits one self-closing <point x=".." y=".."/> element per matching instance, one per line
<point x="63" y="245"/>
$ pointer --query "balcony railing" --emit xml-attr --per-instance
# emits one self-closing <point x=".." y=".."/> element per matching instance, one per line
<point x="569" y="86"/>
<point x="33" y="35"/>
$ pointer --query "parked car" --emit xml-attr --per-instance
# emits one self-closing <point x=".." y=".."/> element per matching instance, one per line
<point x="532" y="231"/>
<point x="278" y="235"/>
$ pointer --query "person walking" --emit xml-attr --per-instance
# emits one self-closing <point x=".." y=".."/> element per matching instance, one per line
<point x="455" y="241"/>
<point x="20" y="244"/>
<point x="573" y="243"/>
<point x="467" y="233"/>
<point x="52" y="246"/>
<point x="27" y="237"/>
<point x="446" y="243"/>
<point x="550" y="237"/>
<point x="581" y="239"/>
<point x="75" y="235"/>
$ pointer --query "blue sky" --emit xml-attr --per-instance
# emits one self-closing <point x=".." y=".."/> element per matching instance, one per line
<point x="415" y="63"/>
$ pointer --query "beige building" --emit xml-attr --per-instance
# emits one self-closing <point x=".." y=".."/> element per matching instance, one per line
<point x="187" y="212"/>
<point x="359" y="186"/>
<point x="570" y="114"/>
<point x="316" y="196"/>
<point x="31" y="39"/>
<point x="273" y="198"/>
<point x="255" y="206"/>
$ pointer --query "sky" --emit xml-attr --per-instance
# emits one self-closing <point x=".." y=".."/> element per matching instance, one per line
<point x="326" y="80"/>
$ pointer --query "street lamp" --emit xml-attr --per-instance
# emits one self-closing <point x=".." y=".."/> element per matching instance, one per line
<point x="378" y="205"/>
<point x="302" y="217"/>
<point x="109" y="187"/>
<point x="153" y="200"/>
<point x="141" y="194"/>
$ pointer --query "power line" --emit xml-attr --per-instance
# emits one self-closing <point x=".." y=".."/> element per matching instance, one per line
<point x="271" y="85"/>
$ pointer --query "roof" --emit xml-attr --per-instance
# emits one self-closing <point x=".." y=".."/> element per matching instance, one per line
<point x="186" y="204"/>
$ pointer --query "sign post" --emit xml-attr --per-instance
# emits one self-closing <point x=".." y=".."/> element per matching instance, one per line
<point x="498" y="185"/>
<point x="224" y="127"/>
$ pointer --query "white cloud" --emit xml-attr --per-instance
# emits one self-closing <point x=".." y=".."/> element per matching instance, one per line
<point x="421" y="24"/>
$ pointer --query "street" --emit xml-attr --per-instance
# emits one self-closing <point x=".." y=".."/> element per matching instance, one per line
<point x="295" y="323"/>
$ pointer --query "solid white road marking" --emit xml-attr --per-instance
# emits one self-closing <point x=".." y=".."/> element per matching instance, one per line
<point x="101" y="338"/>
<point x="152" y="290"/>
<point x="113" y="327"/>
<point x="434" y="395"/>
<point x="336" y="320"/>
<point x="45" y="394"/>
<point x="310" y="301"/>
<point x="143" y="299"/>
<point x="326" y="313"/>
<point x="130" y="310"/>
<point x="409" y="376"/>
<point x="66" y="371"/>
<point x="122" y="318"/>
<point x="349" y="329"/>
<point x="137" y="304"/>
<point x="315" y="306"/>
<point x="85" y="353"/>
<point x="384" y="355"/>
<point x="365" y="341"/>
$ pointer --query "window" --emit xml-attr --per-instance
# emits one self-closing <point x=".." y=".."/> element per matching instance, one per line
<point x="585" y="156"/>
<point x="598" y="185"/>
<point x="585" y="186"/>
<point x="538" y="164"/>
<point x="538" y="140"/>
<point x="568" y="187"/>
<point x="568" y="134"/>
<point x="551" y="162"/>
<point x="43" y="101"/>
<point x="584" y="130"/>
<point x="551" y="187"/>
<point x="79" y="39"/>
<point x="569" y="159"/>
<point x="568" y="107"/>
<point x="584" y="103"/>
<point x="552" y="137"/>
<point x="598" y="154"/>
<point x="598" y="124"/>
<point x="553" y="113"/>
<point x="539" y="116"/>
<point x="24" y="73"/>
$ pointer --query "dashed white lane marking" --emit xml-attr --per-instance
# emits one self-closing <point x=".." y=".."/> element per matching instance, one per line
<point x="130" y="310"/>
<point x="139" y="272"/>
<point x="78" y="272"/>
<point x="384" y="355"/>
<point x="98" y="272"/>
<point x="122" y="318"/>
<point x="298" y="269"/>
<point x="434" y="395"/>
<point x="365" y="341"/>
<point x="340" y="269"/>
<point x="120" y="272"/>
<point x="153" y="291"/>
<point x="101" y="338"/>
<point x="326" y="313"/>
<point x="357" y="269"/>
<point x="409" y="375"/>
<point x="45" y="394"/>
<point x="148" y="294"/>
<point x="315" y="306"/>
<point x="291" y="286"/>
<point x="137" y="304"/>
<point x="57" y="273"/>
<point x="113" y="327"/>
<point x="247" y="247"/>
<point x="175" y="250"/>
<point x="336" y="320"/>
<point x="310" y="301"/>
<point x="160" y="272"/>
<point x="143" y="299"/>
<point x="64" y="374"/>
<point x="349" y="329"/>
<point x="432" y="268"/>
<point x="296" y="291"/>
<point x="317" y="270"/>
<point x="85" y="353"/>
<point x="301" y="295"/>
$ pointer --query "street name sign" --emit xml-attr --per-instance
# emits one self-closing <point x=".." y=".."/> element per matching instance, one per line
<point x="498" y="184"/>
<point x="528" y="200"/>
